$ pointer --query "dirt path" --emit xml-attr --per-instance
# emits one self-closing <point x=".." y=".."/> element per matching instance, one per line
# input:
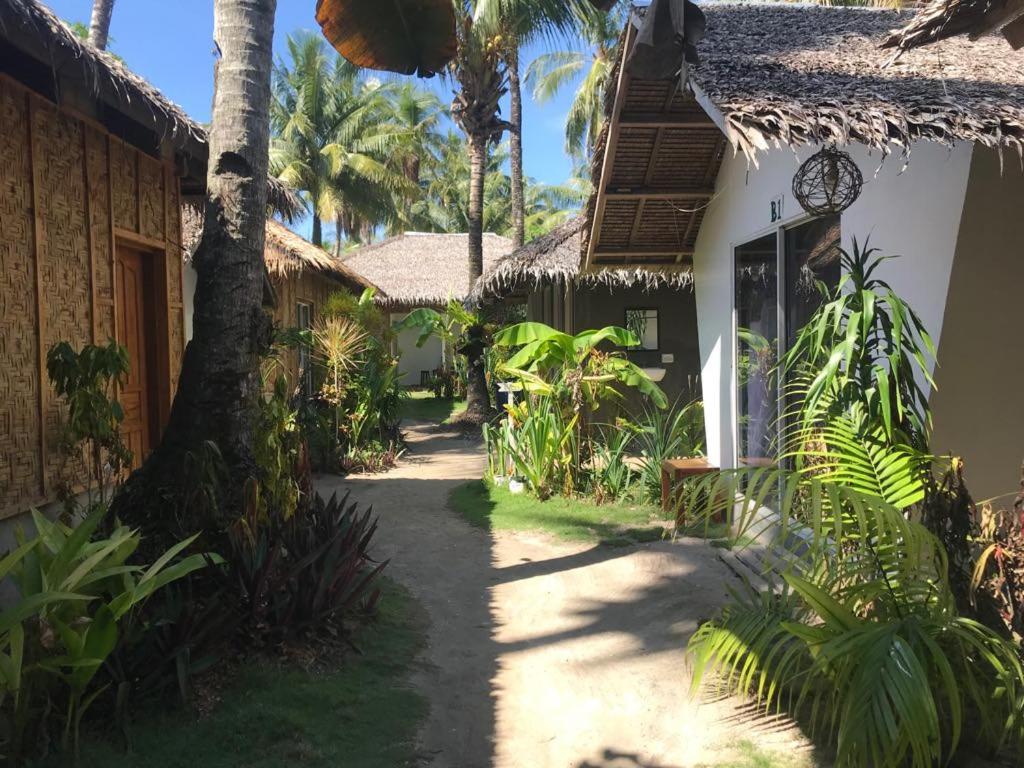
<point x="546" y="655"/>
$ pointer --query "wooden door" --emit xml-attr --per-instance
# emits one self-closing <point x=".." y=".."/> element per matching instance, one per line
<point x="131" y="333"/>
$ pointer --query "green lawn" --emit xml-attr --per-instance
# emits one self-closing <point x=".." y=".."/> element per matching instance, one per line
<point x="748" y="755"/>
<point x="571" y="519"/>
<point x="359" y="711"/>
<point x="421" y="405"/>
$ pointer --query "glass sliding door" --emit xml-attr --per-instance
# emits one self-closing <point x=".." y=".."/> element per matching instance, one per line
<point x="767" y="323"/>
<point x="757" y="325"/>
<point x="812" y="260"/>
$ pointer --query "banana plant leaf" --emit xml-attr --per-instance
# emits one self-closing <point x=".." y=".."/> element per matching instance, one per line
<point x="404" y="36"/>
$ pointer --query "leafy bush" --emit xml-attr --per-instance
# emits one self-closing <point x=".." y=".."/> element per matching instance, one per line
<point x="86" y="380"/>
<point x="75" y="593"/>
<point x="666" y="434"/>
<point x="303" y="573"/>
<point x="612" y="474"/>
<point x="862" y="637"/>
<point x="541" y="444"/>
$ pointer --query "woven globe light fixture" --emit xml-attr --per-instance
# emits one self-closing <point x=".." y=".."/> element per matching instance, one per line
<point x="827" y="182"/>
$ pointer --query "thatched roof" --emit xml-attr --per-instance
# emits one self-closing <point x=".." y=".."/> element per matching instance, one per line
<point x="792" y="74"/>
<point x="780" y="74"/>
<point x="285" y="253"/>
<point x="423" y="268"/>
<point x="36" y="32"/>
<point x="941" y="19"/>
<point x="555" y="258"/>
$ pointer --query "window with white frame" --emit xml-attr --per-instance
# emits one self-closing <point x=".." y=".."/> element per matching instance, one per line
<point x="778" y="287"/>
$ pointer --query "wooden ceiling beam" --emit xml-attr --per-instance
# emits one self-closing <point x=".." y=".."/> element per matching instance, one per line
<point x="642" y="253"/>
<point x="655" y="193"/>
<point x="660" y="120"/>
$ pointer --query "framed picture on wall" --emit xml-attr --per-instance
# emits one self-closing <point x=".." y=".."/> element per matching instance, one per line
<point x="643" y="322"/>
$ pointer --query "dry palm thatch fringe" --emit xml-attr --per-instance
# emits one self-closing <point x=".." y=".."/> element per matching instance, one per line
<point x="285" y="253"/>
<point x="941" y="19"/>
<point x="555" y="258"/>
<point x="31" y="24"/>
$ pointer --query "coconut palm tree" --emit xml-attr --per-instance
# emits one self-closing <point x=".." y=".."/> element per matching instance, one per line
<point x="219" y="386"/>
<point x="417" y="115"/>
<point x="521" y="22"/>
<point x="552" y="71"/>
<point x="99" y="23"/>
<point x="333" y="140"/>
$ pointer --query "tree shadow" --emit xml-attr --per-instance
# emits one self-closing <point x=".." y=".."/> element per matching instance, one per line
<point x="561" y="601"/>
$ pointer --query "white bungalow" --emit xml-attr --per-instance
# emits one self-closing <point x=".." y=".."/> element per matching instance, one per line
<point x="703" y="175"/>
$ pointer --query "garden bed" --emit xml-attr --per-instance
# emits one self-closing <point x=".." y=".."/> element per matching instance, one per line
<point x="317" y="705"/>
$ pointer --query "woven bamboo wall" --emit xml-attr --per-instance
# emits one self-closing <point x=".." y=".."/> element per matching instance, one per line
<point x="69" y="193"/>
<point x="309" y="287"/>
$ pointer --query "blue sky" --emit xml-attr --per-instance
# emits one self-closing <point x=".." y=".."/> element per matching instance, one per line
<point x="171" y="43"/>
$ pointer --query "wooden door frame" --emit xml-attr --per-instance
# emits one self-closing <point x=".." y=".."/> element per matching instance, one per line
<point x="156" y="317"/>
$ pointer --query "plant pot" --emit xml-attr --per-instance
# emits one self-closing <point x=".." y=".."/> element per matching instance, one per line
<point x="515" y="485"/>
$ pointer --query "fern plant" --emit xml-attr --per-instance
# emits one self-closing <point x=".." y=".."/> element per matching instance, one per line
<point x="860" y="636"/>
<point x="857" y="633"/>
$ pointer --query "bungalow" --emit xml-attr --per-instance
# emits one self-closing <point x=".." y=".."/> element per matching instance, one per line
<point x="704" y="175"/>
<point x="94" y="164"/>
<point x="302" y="277"/>
<point x="421" y="269"/>
<point x="658" y="306"/>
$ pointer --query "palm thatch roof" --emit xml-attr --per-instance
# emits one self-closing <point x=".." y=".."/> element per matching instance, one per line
<point x="774" y="75"/>
<point x="285" y="253"/>
<point x="423" y="268"/>
<point x="555" y="258"/>
<point x="788" y="74"/>
<point x="941" y="19"/>
<point x="36" y="36"/>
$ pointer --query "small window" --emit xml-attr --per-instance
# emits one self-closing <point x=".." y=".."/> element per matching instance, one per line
<point x="304" y="322"/>
<point x="644" y="324"/>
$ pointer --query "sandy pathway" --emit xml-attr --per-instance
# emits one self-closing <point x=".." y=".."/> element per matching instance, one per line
<point x="546" y="655"/>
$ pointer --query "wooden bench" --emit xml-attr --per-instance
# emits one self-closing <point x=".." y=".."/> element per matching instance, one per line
<point x="673" y="470"/>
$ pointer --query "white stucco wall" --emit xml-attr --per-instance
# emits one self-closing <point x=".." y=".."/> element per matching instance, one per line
<point x="188" y="279"/>
<point x="914" y="212"/>
<point x="414" y="359"/>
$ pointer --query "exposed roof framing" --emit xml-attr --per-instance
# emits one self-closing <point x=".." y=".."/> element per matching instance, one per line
<point x="661" y="153"/>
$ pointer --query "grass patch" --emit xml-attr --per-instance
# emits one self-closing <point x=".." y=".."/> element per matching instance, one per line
<point x="358" y="710"/>
<point x="421" y="405"/>
<point x="486" y="506"/>
<point x="746" y="754"/>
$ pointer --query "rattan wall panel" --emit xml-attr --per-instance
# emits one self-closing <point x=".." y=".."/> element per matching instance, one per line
<point x="64" y="261"/>
<point x="151" y="198"/>
<point x="20" y="466"/>
<point x="126" y="186"/>
<point x="98" y="171"/>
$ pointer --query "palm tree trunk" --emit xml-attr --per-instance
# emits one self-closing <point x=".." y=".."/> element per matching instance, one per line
<point x="516" y="145"/>
<point x="477" y="401"/>
<point x="99" y="23"/>
<point x="318" y="232"/>
<point x="220" y="385"/>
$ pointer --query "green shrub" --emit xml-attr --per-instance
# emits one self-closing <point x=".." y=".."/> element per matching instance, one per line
<point x="666" y="434"/>
<point x="75" y="592"/>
